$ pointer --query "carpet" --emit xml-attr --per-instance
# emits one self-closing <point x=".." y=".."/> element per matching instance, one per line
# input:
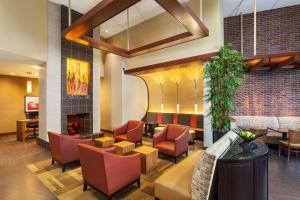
<point x="68" y="185"/>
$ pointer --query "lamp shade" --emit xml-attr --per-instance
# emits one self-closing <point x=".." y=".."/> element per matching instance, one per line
<point x="29" y="87"/>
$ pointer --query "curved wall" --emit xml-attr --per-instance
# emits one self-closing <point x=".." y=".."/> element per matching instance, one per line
<point x="176" y="85"/>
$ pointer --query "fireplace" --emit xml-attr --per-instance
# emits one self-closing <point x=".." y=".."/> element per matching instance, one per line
<point x="83" y="119"/>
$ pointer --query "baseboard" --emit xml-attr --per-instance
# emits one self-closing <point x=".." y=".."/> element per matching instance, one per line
<point x="8" y="133"/>
<point x="42" y="143"/>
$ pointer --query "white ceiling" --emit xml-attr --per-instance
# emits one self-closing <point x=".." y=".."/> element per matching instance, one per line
<point x="15" y="65"/>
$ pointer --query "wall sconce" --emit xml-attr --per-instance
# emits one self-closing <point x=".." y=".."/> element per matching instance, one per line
<point x="162" y="108"/>
<point x="177" y="108"/>
<point x="196" y="108"/>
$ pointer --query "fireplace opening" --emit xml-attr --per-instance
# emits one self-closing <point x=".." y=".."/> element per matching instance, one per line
<point x="78" y="123"/>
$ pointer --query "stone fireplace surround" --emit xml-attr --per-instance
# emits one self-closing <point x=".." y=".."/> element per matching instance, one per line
<point x="80" y="107"/>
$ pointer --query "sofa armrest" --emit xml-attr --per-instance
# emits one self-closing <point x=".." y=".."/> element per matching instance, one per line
<point x="160" y="137"/>
<point x="182" y="142"/>
<point x="120" y="130"/>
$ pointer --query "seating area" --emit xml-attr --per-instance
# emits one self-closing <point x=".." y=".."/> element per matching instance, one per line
<point x="150" y="99"/>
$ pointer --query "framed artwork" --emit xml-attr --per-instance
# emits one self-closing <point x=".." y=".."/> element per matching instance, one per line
<point x="31" y="104"/>
<point x="78" y="77"/>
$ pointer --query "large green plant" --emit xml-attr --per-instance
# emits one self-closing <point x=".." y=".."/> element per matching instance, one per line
<point x="224" y="74"/>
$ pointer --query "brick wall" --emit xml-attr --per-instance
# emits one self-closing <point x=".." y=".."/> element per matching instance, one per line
<point x="269" y="93"/>
<point x="278" y="31"/>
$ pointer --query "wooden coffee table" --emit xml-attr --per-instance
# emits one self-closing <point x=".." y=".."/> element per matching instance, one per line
<point x="148" y="158"/>
<point x="124" y="147"/>
<point x="104" y="142"/>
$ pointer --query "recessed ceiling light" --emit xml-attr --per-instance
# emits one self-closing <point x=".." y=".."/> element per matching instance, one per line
<point x="13" y="73"/>
<point x="37" y="67"/>
<point x="106" y="31"/>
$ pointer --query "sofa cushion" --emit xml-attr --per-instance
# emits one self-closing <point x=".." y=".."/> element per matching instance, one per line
<point x="174" y="131"/>
<point x="166" y="147"/>
<point x="291" y="123"/>
<point x="205" y="167"/>
<point x="175" y="183"/>
<point x="122" y="137"/>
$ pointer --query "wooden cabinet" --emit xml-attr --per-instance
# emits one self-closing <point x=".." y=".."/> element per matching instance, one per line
<point x="243" y="175"/>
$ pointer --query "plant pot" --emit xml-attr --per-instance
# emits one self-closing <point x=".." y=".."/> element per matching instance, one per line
<point x="217" y="135"/>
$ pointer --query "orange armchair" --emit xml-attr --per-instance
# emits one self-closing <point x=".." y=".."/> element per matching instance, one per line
<point x="107" y="172"/>
<point x="172" y="141"/>
<point x="132" y="131"/>
<point x="64" y="148"/>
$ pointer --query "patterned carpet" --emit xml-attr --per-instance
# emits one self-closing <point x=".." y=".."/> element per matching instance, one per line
<point x="68" y="185"/>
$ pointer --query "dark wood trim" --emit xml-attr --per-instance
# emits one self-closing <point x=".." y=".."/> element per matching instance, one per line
<point x="107" y="9"/>
<point x="168" y="64"/>
<point x="106" y="130"/>
<point x="273" y="61"/>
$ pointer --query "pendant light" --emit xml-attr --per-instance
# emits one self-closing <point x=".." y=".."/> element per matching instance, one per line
<point x="28" y="83"/>
<point x="177" y="91"/>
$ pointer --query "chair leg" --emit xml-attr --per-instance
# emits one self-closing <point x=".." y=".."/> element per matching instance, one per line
<point x="187" y="153"/>
<point x="279" y="150"/>
<point x="289" y="154"/>
<point x="175" y="160"/>
<point x="141" y="142"/>
<point x="63" y="168"/>
<point x="138" y="182"/>
<point x="52" y="163"/>
<point x="85" y="186"/>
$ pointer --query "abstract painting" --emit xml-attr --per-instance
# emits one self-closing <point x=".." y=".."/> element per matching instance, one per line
<point x="78" y="76"/>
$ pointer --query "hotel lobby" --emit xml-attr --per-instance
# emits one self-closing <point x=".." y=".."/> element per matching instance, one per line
<point x="150" y="99"/>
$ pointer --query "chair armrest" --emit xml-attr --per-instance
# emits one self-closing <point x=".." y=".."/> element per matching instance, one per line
<point x="159" y="137"/>
<point x="136" y="134"/>
<point x="120" y="130"/>
<point x="182" y="142"/>
<point x="121" y="170"/>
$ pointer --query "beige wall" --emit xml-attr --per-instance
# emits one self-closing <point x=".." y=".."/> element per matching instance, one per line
<point x="24" y="28"/>
<point x="12" y="92"/>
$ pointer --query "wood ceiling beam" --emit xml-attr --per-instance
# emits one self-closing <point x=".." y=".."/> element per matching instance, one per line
<point x="185" y="15"/>
<point x="261" y="62"/>
<point x="107" y="9"/>
<point x="292" y="60"/>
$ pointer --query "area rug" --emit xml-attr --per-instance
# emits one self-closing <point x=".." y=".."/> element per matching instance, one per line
<point x="68" y="185"/>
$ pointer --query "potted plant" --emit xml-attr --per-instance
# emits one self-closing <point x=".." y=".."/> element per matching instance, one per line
<point x="224" y="74"/>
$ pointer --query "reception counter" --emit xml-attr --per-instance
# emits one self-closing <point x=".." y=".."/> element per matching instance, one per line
<point x="21" y="128"/>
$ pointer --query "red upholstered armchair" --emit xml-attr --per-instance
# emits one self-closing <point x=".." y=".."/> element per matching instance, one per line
<point x="64" y="148"/>
<point x="173" y="140"/>
<point x="132" y="131"/>
<point x="108" y="172"/>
